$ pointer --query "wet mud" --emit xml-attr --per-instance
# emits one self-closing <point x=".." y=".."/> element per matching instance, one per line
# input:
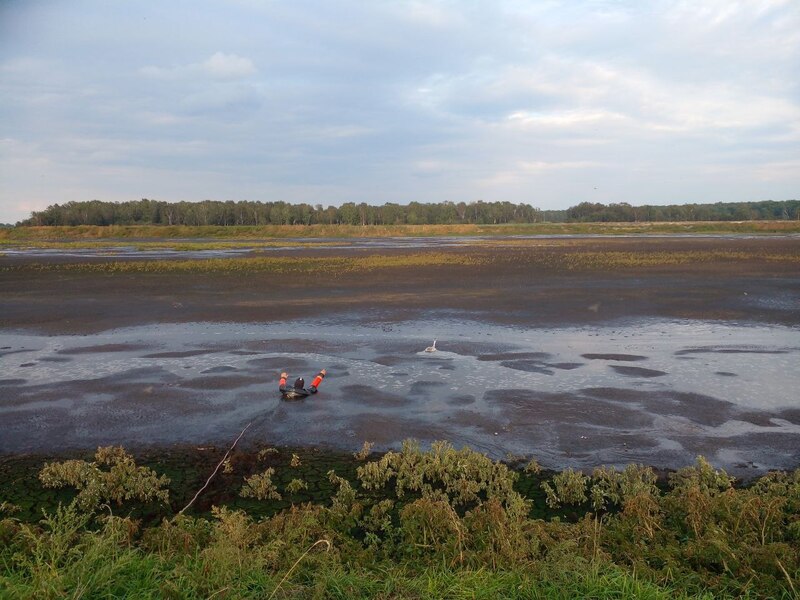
<point x="637" y="371"/>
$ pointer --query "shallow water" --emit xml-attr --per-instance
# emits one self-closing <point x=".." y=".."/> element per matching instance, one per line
<point x="658" y="392"/>
<point x="243" y="247"/>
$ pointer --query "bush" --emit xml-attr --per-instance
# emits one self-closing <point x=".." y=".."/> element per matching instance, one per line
<point x="437" y="523"/>
<point x="122" y="481"/>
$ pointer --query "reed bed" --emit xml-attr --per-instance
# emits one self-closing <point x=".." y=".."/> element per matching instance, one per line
<point x="120" y="232"/>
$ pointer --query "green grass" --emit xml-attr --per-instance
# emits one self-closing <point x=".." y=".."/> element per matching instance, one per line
<point x="100" y="569"/>
<point x="437" y="523"/>
<point x="466" y="584"/>
<point x="64" y="559"/>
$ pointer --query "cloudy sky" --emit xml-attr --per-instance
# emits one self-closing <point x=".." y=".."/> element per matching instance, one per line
<point x="549" y="103"/>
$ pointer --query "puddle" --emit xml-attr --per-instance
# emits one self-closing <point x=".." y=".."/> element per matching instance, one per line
<point x="243" y="248"/>
<point x="571" y="396"/>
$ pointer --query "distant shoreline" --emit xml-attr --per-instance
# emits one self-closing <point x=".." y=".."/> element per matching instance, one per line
<point x="66" y="234"/>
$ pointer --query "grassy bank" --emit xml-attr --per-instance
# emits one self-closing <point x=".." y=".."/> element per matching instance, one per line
<point x="144" y="232"/>
<point x="438" y="523"/>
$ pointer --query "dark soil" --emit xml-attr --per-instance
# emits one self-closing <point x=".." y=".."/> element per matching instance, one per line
<point x="512" y="287"/>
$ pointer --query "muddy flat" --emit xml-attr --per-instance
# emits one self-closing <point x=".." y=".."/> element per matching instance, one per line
<point x="605" y="362"/>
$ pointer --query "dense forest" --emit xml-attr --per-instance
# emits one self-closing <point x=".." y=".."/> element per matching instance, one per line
<point x="768" y="210"/>
<point x="245" y="212"/>
<point x="209" y="212"/>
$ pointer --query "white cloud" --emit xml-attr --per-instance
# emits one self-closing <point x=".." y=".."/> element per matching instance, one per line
<point x="342" y="131"/>
<point x="758" y="34"/>
<point x="20" y="157"/>
<point x="418" y="99"/>
<point x="540" y="165"/>
<point x="435" y="167"/>
<point x="24" y="65"/>
<point x="229" y="66"/>
<point x="528" y="172"/>
<point x="786" y="170"/>
<point x="158" y="72"/>
<point x="565" y="119"/>
<point x="159" y="118"/>
<point x="429" y="14"/>
<point x="218" y="66"/>
<point x="715" y="13"/>
<point x="232" y="101"/>
<point x="575" y="94"/>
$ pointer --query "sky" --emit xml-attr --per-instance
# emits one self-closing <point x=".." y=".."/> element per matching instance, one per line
<point x="544" y="102"/>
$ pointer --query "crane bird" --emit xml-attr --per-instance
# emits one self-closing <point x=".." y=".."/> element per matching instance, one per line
<point x="431" y="348"/>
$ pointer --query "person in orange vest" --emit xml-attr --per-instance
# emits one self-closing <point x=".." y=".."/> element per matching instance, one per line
<point x="298" y="390"/>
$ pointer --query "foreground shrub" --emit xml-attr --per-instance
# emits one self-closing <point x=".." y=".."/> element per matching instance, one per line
<point x="260" y="486"/>
<point x="423" y="524"/>
<point x="122" y="481"/>
<point x="459" y="477"/>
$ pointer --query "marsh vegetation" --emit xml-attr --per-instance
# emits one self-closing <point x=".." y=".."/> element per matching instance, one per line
<point x="552" y="255"/>
<point x="179" y="235"/>
<point x="415" y="523"/>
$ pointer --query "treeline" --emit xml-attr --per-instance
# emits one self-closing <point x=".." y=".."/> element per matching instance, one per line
<point x="245" y="212"/>
<point x="210" y="212"/>
<point x="768" y="210"/>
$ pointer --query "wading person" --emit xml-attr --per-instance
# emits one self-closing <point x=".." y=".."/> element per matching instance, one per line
<point x="298" y="390"/>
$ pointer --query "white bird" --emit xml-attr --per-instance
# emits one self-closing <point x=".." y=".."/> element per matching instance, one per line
<point x="431" y="348"/>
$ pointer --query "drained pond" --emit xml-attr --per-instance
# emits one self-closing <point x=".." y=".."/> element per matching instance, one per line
<point x="653" y="391"/>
